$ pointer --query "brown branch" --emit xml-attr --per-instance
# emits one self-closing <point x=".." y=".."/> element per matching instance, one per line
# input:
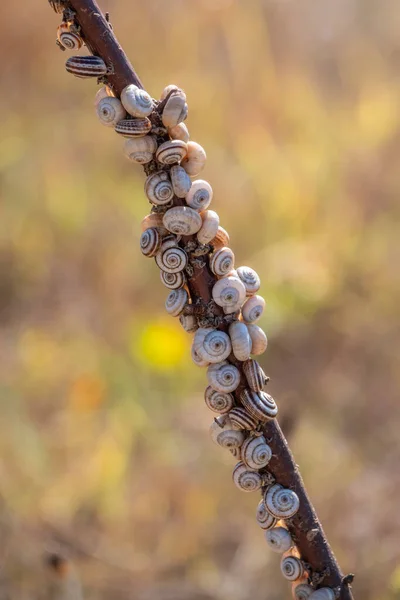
<point x="305" y="528"/>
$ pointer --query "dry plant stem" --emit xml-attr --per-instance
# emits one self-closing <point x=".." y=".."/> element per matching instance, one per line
<point x="305" y="528"/>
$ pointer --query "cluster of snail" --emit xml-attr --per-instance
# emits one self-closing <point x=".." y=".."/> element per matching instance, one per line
<point x="181" y="233"/>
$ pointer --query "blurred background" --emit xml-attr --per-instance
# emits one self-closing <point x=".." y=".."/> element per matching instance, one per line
<point x="106" y="458"/>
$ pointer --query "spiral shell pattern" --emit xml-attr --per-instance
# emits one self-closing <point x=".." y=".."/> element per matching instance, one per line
<point x="253" y="308"/>
<point x="256" y="378"/>
<point x="219" y="402"/>
<point x="250" y="279"/>
<point x="197" y="359"/>
<point x="86" y="66"/>
<point x="172" y="259"/>
<point x="189" y="323"/>
<point x="222" y="262"/>
<point x="292" y="568"/>
<point x="176" y="302"/>
<point x="228" y="292"/>
<point x="182" y="220"/>
<point x="136" y="102"/>
<point x="158" y="188"/>
<point x="303" y="591"/>
<point x="224" y="377"/>
<point x="133" y="127"/>
<point x="70" y="40"/>
<point x="150" y="242"/>
<point x="171" y="152"/>
<point x="281" y="502"/>
<point x="225" y="436"/>
<point x="264" y="518"/>
<point x="173" y="281"/>
<point x="110" y="111"/>
<point x="242" y="420"/>
<point x="323" y="594"/>
<point x="153" y="220"/>
<point x="246" y="479"/>
<point x="259" y="404"/>
<point x="140" y="150"/>
<point x="279" y="540"/>
<point x="256" y="453"/>
<point x="216" y="346"/>
<point x="200" y="195"/>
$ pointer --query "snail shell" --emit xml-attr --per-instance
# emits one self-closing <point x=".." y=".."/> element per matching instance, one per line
<point x="259" y="340"/>
<point x="70" y="40"/>
<point x="171" y="152"/>
<point x="250" y="279"/>
<point x="292" y="568"/>
<point x="323" y="594"/>
<point x="264" y="518"/>
<point x="103" y="92"/>
<point x="181" y="181"/>
<point x="133" y="127"/>
<point x="154" y="220"/>
<point x="199" y="338"/>
<point x="225" y="436"/>
<point x="241" y="341"/>
<point x="179" y="132"/>
<point x="58" y="5"/>
<point x="302" y="591"/>
<point x="235" y="452"/>
<point x="215" y="347"/>
<point x="173" y="281"/>
<point x="256" y="453"/>
<point x="110" y="111"/>
<point x="176" y="302"/>
<point x="195" y="159"/>
<point x="246" y="479"/>
<point x="222" y="261"/>
<point x="86" y="66"/>
<point x="281" y="502"/>
<point x="219" y="402"/>
<point x="228" y="292"/>
<point x="279" y="540"/>
<point x="182" y="220"/>
<point x="136" y="102"/>
<point x="221" y="238"/>
<point x="168" y="89"/>
<point x="242" y="420"/>
<point x="140" y="150"/>
<point x="171" y="259"/>
<point x="196" y="358"/>
<point x="158" y="188"/>
<point x="175" y="109"/>
<point x="259" y="404"/>
<point x="253" y="308"/>
<point x="255" y="376"/>
<point x="200" y="195"/>
<point x="188" y="322"/>
<point x="150" y="242"/>
<point x="209" y="227"/>
<point x="223" y="377"/>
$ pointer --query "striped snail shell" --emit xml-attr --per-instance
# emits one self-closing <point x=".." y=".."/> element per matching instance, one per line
<point x="235" y="452"/>
<point x="70" y="40"/>
<point x="133" y="127"/>
<point x="323" y="594"/>
<point x="246" y="479"/>
<point x="171" y="259"/>
<point x="140" y="150"/>
<point x="228" y="292"/>
<point x="223" y="377"/>
<point x="302" y="591"/>
<point x="58" y="5"/>
<point x="241" y="341"/>
<point x="220" y="402"/>
<point x="253" y="308"/>
<point x="259" y="404"/>
<point x="200" y="195"/>
<point x="195" y="159"/>
<point x="150" y="242"/>
<point x="175" y="109"/>
<point x="189" y="322"/>
<point x="222" y="261"/>
<point x="176" y="302"/>
<point x="182" y="220"/>
<point x="173" y="281"/>
<point x="209" y="227"/>
<point x="154" y="220"/>
<point x="259" y="340"/>
<point x="264" y="518"/>
<point x="221" y="238"/>
<point x="179" y="132"/>
<point x="223" y="434"/>
<point x="110" y="111"/>
<point x="281" y="502"/>
<point x="292" y="568"/>
<point x="199" y="338"/>
<point x="256" y="378"/>
<point x="256" y="453"/>
<point x="158" y="188"/>
<point x="103" y="92"/>
<point x="171" y="152"/>
<point x="181" y="181"/>
<point x="250" y="279"/>
<point x="197" y="359"/>
<point x="242" y="420"/>
<point x="216" y="346"/>
<point x="279" y="540"/>
<point x="136" y="102"/>
<point x="168" y="89"/>
<point x="86" y="66"/>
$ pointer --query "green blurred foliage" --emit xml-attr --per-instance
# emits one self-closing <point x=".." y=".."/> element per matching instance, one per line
<point x="104" y="429"/>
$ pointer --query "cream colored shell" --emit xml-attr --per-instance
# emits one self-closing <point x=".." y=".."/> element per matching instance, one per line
<point x="140" y="150"/>
<point x="136" y="102"/>
<point x="250" y="279"/>
<point x="252" y="309"/>
<point x="173" y="281"/>
<point x="175" y="109"/>
<point x="229" y="292"/>
<point x="222" y="261"/>
<point x="256" y="453"/>
<point x="223" y="377"/>
<point x="179" y="132"/>
<point x="171" y="152"/>
<point x="158" y="188"/>
<point x="246" y="479"/>
<point x="279" y="540"/>
<point x="200" y="195"/>
<point x="241" y="341"/>
<point x="221" y="238"/>
<point x="153" y="220"/>
<point x="259" y="404"/>
<point x="168" y="89"/>
<point x="282" y="503"/>
<point x="195" y="159"/>
<point x="109" y="111"/>
<point x="182" y="220"/>
<point x="171" y="258"/>
<point x="209" y="227"/>
<point x="176" y="302"/>
<point x="181" y="181"/>
<point x="223" y="434"/>
<point x="259" y="340"/>
<point x="220" y="402"/>
<point x="241" y="419"/>
<point x="103" y="92"/>
<point x="197" y="359"/>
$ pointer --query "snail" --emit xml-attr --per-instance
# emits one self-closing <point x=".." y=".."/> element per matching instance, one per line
<point x="259" y="404"/>
<point x="242" y="420"/>
<point x="195" y="159"/>
<point x="158" y="188"/>
<point x="86" y="66"/>
<point x="171" y="258"/>
<point x="281" y="502"/>
<point x="69" y="39"/>
<point x="176" y="302"/>
<point x="323" y="594"/>
<point x="223" y="377"/>
<point x="173" y="281"/>
<point x="256" y="453"/>
<point x="133" y="127"/>
<point x="150" y="242"/>
<point x="181" y="181"/>
<point x="110" y="111"/>
<point x="220" y="239"/>
<point x="103" y="92"/>
<point x="168" y="89"/>
<point x="259" y="340"/>
<point x="197" y="359"/>
<point x="175" y="109"/>
<point x="301" y="591"/>
<point x="188" y="322"/>
<point x="241" y="341"/>
<point x="264" y="518"/>
<point x="136" y="102"/>
<point x="212" y="345"/>
<point x="220" y="402"/>
<point x="153" y="220"/>
<point x="209" y="226"/>
<point x="235" y="452"/>
<point x="246" y="479"/>
<point x="252" y="309"/>
<point x="222" y="261"/>
<point x="228" y="292"/>
<point x="58" y="5"/>
<point x="292" y="568"/>
<point x="223" y="434"/>
<point x="279" y="540"/>
<point x="250" y="279"/>
<point x="256" y="378"/>
<point x="199" y="338"/>
<point x="171" y="152"/>
<point x="179" y="132"/>
<point x="200" y="195"/>
<point x="182" y="220"/>
<point x="140" y="150"/>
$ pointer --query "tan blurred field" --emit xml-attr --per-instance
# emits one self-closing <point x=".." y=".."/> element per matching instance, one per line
<point x="104" y="431"/>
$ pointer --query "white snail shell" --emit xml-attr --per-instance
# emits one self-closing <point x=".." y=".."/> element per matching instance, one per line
<point x="169" y="88"/>
<point x="209" y="227"/>
<point x="182" y="220"/>
<point x="179" y="132"/>
<point x="171" y="259"/>
<point x="255" y="376"/>
<point x="200" y="195"/>
<point x="171" y="152"/>
<point x="228" y="292"/>
<point x="222" y="261"/>
<point x="264" y="518"/>
<point x="86" y="66"/>
<point x="199" y="338"/>
<point x="103" y="92"/>
<point x="256" y="453"/>
<point x="196" y="358"/>
<point x="241" y="341"/>
<point x="281" y="502"/>
<point x="158" y="188"/>
<point x="224" y="435"/>
<point x="176" y="302"/>
<point x="215" y="347"/>
<point x="150" y="242"/>
<point x="220" y="402"/>
<point x="136" y="102"/>
<point x="242" y="420"/>
<point x="173" y="281"/>
<point x="250" y="279"/>
<point x="140" y="150"/>
<point x="223" y="377"/>
<point x="195" y="159"/>
<point x="259" y="404"/>
<point x="221" y="238"/>
<point x="109" y="111"/>
<point x="181" y="181"/>
<point x="246" y="479"/>
<point x="323" y="594"/>
<point x="70" y="40"/>
<point x="235" y="452"/>
<point x="279" y="539"/>
<point x="175" y="109"/>
<point x="189" y="323"/>
<point x="154" y="220"/>
<point x="301" y="591"/>
<point x="253" y="308"/>
<point x="259" y="340"/>
<point x="292" y="568"/>
<point x="133" y="128"/>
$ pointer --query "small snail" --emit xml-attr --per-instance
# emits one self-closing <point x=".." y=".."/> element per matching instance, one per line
<point x="264" y="518"/>
<point x="168" y="89"/>
<point x="140" y="150"/>
<point x="216" y="346"/>
<point x="69" y="39"/>
<point x="301" y="591"/>
<point x="220" y="239"/>
<point x="220" y="402"/>
<point x="171" y="259"/>
<point x="292" y="568"/>
<point x="133" y="127"/>
<point x="228" y="292"/>
<point x="223" y="377"/>
<point x="235" y="452"/>
<point x="281" y="502"/>
<point x="110" y="111"/>
<point x="252" y="309"/>
<point x="222" y="261"/>
<point x="256" y="453"/>
<point x="225" y="436"/>
<point x="181" y="181"/>
<point x="150" y="242"/>
<point x="241" y="341"/>
<point x="242" y="420"/>
<point x="197" y="359"/>
<point x="136" y="102"/>
<point x="199" y="338"/>
<point x="189" y="322"/>
<point x="259" y="340"/>
<point x="323" y="594"/>
<point x="176" y="302"/>
<point x="158" y="188"/>
<point x="200" y="195"/>
<point x="259" y="404"/>
<point x="209" y="226"/>
<point x="279" y="540"/>
<point x="171" y="152"/>
<point x="179" y="132"/>
<point x="175" y="109"/>
<point x="173" y="281"/>
<point x="250" y="279"/>
<point x="153" y="220"/>
<point x="246" y="479"/>
<point x="195" y="159"/>
<point x="103" y="92"/>
<point x="182" y="220"/>
<point x="86" y="66"/>
<point x="256" y="378"/>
